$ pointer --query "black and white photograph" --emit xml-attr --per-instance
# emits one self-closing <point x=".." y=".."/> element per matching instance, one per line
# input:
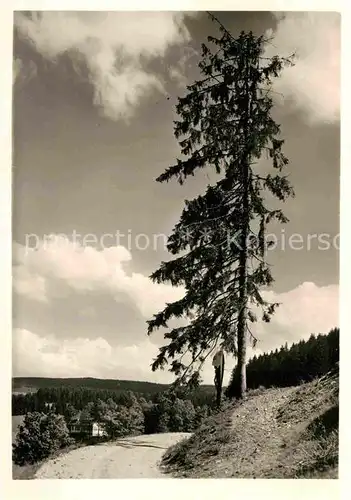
<point x="175" y="244"/>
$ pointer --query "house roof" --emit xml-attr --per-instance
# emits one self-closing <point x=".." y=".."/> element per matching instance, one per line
<point x="78" y="419"/>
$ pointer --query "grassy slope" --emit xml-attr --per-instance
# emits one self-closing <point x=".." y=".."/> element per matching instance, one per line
<point x="275" y="433"/>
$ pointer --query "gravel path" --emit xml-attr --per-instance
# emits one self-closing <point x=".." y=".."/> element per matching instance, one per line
<point x="133" y="457"/>
<point x="262" y="436"/>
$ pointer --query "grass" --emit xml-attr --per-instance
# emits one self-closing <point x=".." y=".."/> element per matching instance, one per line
<point x="24" y="472"/>
<point x="185" y="454"/>
<point x="275" y="433"/>
<point x="320" y="456"/>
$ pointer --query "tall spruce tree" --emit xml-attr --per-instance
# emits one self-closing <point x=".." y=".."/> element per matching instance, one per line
<point x="225" y="124"/>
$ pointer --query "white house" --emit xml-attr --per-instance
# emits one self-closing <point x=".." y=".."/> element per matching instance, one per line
<point x="98" y="430"/>
<point x="87" y="427"/>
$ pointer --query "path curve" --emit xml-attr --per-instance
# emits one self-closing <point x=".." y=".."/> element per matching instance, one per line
<point x="133" y="457"/>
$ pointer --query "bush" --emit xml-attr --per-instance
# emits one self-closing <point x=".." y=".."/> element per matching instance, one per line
<point x="121" y="420"/>
<point x="170" y="414"/>
<point x="39" y="436"/>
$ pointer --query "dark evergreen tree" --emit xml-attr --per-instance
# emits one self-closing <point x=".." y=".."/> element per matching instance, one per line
<point x="225" y="125"/>
<point x="70" y="412"/>
<point x="333" y="346"/>
<point x="303" y="362"/>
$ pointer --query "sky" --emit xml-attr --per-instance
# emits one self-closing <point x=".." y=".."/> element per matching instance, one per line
<point x="94" y="97"/>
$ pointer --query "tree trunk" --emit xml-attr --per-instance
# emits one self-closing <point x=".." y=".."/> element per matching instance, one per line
<point x="243" y="298"/>
<point x="242" y="316"/>
<point x="218" y="387"/>
<point x="219" y="373"/>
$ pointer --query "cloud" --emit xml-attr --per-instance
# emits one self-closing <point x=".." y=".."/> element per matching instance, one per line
<point x="313" y="84"/>
<point x="34" y="355"/>
<point x="304" y="310"/>
<point x="115" y="46"/>
<point x="179" y="71"/>
<point x="23" y="72"/>
<point x="58" y="266"/>
<point x="29" y="284"/>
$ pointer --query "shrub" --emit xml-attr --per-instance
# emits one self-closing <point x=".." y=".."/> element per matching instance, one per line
<point x="201" y="413"/>
<point x="122" y="421"/>
<point x="170" y="414"/>
<point x="39" y="436"/>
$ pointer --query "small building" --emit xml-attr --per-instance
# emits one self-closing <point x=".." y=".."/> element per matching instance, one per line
<point x="87" y="428"/>
<point x="98" y="430"/>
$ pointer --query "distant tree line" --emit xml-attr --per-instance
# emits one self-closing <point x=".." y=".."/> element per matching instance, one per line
<point x="302" y="362"/>
<point x="79" y="397"/>
<point x="138" y="386"/>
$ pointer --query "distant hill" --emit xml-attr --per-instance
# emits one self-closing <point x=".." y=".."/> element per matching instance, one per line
<point x="26" y="385"/>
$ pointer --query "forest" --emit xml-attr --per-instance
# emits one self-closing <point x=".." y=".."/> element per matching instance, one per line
<point x="79" y="397"/>
<point x="29" y="384"/>
<point x="302" y="362"/>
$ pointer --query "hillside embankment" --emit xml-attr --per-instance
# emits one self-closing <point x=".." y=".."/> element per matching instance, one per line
<point x="273" y="433"/>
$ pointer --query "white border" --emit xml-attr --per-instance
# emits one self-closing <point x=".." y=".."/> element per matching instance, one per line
<point x="151" y="489"/>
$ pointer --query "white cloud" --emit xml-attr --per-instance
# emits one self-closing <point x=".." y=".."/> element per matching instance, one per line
<point x="179" y="71"/>
<point x="29" y="284"/>
<point x="306" y="309"/>
<point x="313" y="83"/>
<point x="34" y="355"/>
<point x="114" y="46"/>
<point x="58" y="266"/>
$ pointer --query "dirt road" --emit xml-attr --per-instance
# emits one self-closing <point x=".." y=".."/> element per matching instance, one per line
<point x="134" y="457"/>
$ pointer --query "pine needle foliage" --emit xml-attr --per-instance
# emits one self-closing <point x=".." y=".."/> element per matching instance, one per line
<point x="225" y="124"/>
